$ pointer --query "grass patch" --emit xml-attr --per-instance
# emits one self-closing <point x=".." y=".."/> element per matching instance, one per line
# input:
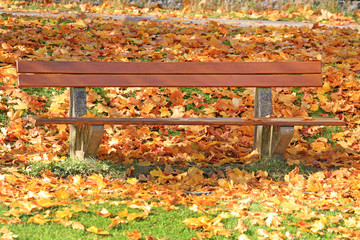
<point x="190" y="90"/>
<point x="48" y="93"/>
<point x="74" y="166"/>
<point x="326" y="132"/>
<point x="160" y="223"/>
<point x="278" y="168"/>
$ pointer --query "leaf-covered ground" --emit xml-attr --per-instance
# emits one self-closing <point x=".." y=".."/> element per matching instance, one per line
<point x="200" y="10"/>
<point x="323" y="204"/>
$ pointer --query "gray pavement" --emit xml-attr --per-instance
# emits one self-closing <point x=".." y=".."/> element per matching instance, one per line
<point x="131" y="18"/>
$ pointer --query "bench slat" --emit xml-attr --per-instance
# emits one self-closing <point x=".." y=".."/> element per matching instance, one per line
<point x="287" y="121"/>
<point x="55" y="80"/>
<point x="207" y="68"/>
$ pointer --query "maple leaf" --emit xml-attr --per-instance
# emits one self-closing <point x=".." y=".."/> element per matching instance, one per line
<point x="99" y="181"/>
<point x="61" y="194"/>
<point x="135" y="235"/>
<point x="77" y="225"/>
<point x="7" y="234"/>
<point x="289" y="207"/>
<point x="45" y="202"/>
<point x="65" y="214"/>
<point x="104" y="213"/>
<point x="38" y="219"/>
<point x="263" y="233"/>
<point x="243" y="237"/>
<point x="318" y="225"/>
<point x="240" y="226"/>
<point x="273" y="220"/>
<point x="98" y="231"/>
<point x="176" y="98"/>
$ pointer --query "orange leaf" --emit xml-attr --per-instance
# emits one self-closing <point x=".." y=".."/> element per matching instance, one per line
<point x="104" y="213"/>
<point x="115" y="221"/>
<point x="176" y="98"/>
<point x="135" y="235"/>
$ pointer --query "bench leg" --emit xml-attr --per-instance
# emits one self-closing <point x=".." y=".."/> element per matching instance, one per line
<point x="282" y="137"/>
<point x="272" y="141"/>
<point x="84" y="139"/>
<point x="269" y="140"/>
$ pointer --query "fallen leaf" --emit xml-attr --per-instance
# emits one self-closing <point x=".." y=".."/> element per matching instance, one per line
<point x="95" y="230"/>
<point x="135" y="235"/>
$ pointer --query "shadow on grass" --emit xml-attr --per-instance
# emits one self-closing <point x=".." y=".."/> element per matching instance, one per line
<point x="277" y="169"/>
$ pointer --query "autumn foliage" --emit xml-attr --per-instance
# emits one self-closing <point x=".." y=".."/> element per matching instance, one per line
<point x="232" y="191"/>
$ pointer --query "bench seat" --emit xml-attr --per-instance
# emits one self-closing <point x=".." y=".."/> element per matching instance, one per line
<point x="285" y="121"/>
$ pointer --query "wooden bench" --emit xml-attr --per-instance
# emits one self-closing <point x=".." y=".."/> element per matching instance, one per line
<point x="272" y="135"/>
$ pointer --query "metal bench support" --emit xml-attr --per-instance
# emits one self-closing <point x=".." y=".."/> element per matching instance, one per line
<point x="84" y="139"/>
<point x="270" y="141"/>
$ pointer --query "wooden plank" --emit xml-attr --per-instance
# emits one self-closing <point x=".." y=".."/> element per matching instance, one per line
<point x="169" y="67"/>
<point x="292" y="121"/>
<point x="54" y="80"/>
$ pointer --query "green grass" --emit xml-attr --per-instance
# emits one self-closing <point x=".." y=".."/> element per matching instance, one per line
<point x="160" y="223"/>
<point x="276" y="168"/>
<point x="326" y="132"/>
<point x="76" y="167"/>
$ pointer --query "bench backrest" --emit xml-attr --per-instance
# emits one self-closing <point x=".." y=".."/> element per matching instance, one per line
<point x="173" y="74"/>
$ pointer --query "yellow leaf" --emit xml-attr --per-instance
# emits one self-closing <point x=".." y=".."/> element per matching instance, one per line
<point x="76" y="208"/>
<point x="61" y="194"/>
<point x="324" y="89"/>
<point x="240" y="227"/>
<point x="7" y="234"/>
<point x="38" y="219"/>
<point x="289" y="207"/>
<point x="217" y="44"/>
<point x="98" y="231"/>
<point x="225" y="184"/>
<point x="132" y="181"/>
<point x="164" y="112"/>
<point x="88" y="47"/>
<point x="80" y="23"/>
<point x="78" y="225"/>
<point x="64" y="214"/>
<point x="20" y="105"/>
<point x="243" y="237"/>
<point x="99" y="180"/>
<point x="274" y="17"/>
<point x="340" y="136"/>
<point x="263" y="233"/>
<point x="45" y="202"/>
<point x="314" y="107"/>
<point x="273" y="220"/>
<point x="77" y="180"/>
<point x="41" y="51"/>
<point x="318" y="225"/>
<point x="147" y="107"/>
